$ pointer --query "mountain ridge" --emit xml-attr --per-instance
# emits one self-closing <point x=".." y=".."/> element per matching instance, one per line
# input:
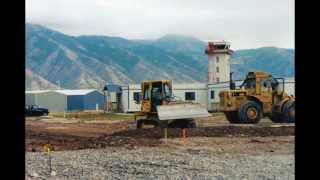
<point x="91" y="61"/>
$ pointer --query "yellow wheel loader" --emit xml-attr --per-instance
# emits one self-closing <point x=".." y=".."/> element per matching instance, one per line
<point x="160" y="108"/>
<point x="259" y="95"/>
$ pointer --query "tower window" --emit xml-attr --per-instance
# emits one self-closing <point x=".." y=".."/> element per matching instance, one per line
<point x="217" y="69"/>
<point x="218" y="80"/>
<point x="217" y="59"/>
<point x="212" y="94"/>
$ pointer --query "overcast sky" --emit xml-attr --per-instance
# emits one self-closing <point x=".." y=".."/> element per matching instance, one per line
<point x="245" y="23"/>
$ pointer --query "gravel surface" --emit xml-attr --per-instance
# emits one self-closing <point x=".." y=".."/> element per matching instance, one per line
<point x="159" y="163"/>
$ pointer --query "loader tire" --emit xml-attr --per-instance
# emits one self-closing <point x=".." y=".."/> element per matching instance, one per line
<point x="232" y="116"/>
<point x="250" y="112"/>
<point x="288" y="112"/>
<point x="276" y="117"/>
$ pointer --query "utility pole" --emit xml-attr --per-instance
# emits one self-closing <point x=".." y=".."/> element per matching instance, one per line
<point x="105" y="88"/>
<point x="104" y="101"/>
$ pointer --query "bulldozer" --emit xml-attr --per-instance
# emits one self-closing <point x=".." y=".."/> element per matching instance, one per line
<point x="160" y="108"/>
<point x="260" y="95"/>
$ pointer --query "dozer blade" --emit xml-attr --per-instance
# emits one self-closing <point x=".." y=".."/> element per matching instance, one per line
<point x="181" y="111"/>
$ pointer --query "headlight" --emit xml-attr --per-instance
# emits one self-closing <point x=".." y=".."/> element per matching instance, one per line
<point x="229" y="103"/>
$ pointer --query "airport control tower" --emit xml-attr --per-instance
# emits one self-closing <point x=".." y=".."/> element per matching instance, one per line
<point x="219" y="53"/>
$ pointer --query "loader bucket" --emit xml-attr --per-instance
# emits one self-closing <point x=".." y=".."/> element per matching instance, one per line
<point x="181" y="111"/>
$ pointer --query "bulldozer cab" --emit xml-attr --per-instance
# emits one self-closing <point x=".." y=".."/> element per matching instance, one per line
<point x="155" y="93"/>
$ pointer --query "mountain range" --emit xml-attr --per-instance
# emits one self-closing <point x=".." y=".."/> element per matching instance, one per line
<point x="55" y="59"/>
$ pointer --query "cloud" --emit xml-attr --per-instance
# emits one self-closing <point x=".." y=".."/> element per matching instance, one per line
<point x="245" y="23"/>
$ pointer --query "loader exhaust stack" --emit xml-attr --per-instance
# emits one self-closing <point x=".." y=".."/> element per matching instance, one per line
<point x="232" y="83"/>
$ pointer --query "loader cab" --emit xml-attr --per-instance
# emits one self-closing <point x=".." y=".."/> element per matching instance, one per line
<point x="263" y="84"/>
<point x="249" y="84"/>
<point x="257" y="83"/>
<point x="154" y="93"/>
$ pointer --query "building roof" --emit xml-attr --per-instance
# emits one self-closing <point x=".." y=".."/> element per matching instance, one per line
<point x="175" y="86"/>
<point x="65" y="91"/>
<point x="37" y="91"/>
<point x="75" y="91"/>
<point x="132" y="87"/>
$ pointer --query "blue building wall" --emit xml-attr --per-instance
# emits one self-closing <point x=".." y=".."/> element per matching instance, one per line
<point x="93" y="98"/>
<point x="75" y="103"/>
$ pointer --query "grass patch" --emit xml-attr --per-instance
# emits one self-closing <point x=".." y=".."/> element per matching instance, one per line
<point x="92" y="115"/>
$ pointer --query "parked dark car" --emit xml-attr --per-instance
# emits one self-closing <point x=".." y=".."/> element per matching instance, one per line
<point x="34" y="110"/>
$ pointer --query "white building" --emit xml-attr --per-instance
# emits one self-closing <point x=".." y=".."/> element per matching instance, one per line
<point x="130" y="98"/>
<point x="205" y="94"/>
<point x="191" y="92"/>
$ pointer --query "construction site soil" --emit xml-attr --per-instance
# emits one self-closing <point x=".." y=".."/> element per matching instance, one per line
<point x="73" y="134"/>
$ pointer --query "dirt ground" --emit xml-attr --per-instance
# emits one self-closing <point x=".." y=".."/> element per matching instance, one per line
<point x="110" y="147"/>
<point x="214" y="133"/>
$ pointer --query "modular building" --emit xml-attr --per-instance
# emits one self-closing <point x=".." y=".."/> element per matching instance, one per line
<point x="67" y="100"/>
<point x="130" y="98"/>
<point x="205" y="94"/>
<point x="190" y="92"/>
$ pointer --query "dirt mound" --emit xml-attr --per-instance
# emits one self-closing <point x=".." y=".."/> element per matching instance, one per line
<point x="217" y="131"/>
<point x="131" y="138"/>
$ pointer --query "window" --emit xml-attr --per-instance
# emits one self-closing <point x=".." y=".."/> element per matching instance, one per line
<point x="217" y="59"/>
<point x="190" y="96"/>
<point x="156" y="93"/>
<point x="218" y="80"/>
<point x="212" y="94"/>
<point x="249" y="83"/>
<point x="265" y="84"/>
<point x="167" y="90"/>
<point x="220" y="46"/>
<point x="217" y="69"/>
<point x="146" y="95"/>
<point x="136" y="97"/>
<point x="274" y="83"/>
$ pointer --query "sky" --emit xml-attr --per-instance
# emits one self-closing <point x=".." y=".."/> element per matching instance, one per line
<point x="244" y="23"/>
